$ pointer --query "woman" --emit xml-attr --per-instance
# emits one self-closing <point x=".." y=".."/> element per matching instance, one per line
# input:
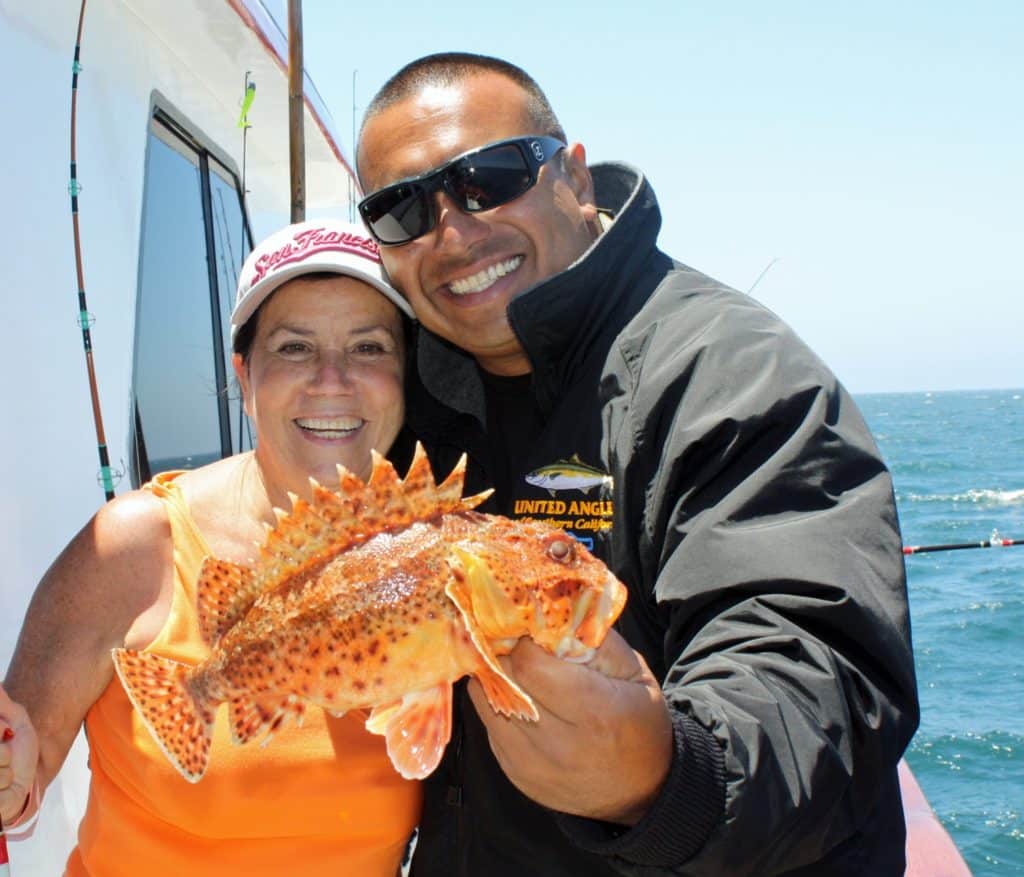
<point x="319" y="353"/>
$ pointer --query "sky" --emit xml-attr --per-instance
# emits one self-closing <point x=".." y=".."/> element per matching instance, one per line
<point x="865" y="161"/>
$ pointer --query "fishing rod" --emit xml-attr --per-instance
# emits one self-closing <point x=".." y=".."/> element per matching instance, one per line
<point x="84" y="318"/>
<point x="994" y="541"/>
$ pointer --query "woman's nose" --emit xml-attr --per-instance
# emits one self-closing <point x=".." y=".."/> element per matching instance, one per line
<point x="332" y="374"/>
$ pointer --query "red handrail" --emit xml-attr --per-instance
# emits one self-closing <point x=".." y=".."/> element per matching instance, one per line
<point x="930" y="850"/>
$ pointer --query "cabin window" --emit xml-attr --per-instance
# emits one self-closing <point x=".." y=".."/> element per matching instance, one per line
<point x="194" y="240"/>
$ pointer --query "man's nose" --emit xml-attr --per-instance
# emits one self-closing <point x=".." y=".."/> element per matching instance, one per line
<point x="456" y="227"/>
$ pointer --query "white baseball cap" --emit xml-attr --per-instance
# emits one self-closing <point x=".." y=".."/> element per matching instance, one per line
<point x="306" y="248"/>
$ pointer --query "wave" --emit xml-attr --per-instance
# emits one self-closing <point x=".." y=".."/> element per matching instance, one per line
<point x="978" y="496"/>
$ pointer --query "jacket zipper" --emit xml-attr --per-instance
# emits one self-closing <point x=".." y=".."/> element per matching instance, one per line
<point x="454" y="797"/>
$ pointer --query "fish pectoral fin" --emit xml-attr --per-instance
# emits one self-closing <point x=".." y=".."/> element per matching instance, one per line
<point x="417" y="729"/>
<point x="478" y="596"/>
<point x="252" y="716"/>
<point x="180" y="719"/>
<point x="504" y="696"/>
<point x="225" y="591"/>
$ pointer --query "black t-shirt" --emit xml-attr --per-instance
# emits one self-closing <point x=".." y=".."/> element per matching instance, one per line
<point x="513" y="424"/>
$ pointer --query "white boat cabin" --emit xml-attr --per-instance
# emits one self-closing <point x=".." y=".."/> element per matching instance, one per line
<point x="160" y="162"/>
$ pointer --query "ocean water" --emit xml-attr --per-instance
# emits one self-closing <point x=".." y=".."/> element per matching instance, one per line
<point x="957" y="460"/>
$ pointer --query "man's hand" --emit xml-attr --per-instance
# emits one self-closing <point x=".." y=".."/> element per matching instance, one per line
<point x="603" y="745"/>
<point x="19" y="758"/>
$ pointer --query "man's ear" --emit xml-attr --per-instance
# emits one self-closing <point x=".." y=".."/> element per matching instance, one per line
<point x="574" y="164"/>
<point x="242" y="374"/>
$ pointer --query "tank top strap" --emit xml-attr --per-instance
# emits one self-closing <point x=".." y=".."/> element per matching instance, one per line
<point x="190" y="546"/>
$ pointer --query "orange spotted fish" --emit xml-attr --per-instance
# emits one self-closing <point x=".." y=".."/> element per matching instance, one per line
<point x="377" y="597"/>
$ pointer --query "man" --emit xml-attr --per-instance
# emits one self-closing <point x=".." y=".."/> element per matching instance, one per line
<point x="689" y="438"/>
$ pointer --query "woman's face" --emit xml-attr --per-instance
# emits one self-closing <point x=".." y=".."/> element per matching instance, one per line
<point x="323" y="380"/>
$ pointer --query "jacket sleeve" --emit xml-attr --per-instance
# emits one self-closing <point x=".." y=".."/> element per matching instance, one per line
<point x="756" y="526"/>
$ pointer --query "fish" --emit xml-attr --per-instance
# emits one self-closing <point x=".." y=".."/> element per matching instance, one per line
<point x="571" y="474"/>
<point x="376" y="596"/>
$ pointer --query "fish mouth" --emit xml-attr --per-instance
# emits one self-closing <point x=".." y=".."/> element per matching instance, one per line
<point x="485" y="278"/>
<point x="330" y="427"/>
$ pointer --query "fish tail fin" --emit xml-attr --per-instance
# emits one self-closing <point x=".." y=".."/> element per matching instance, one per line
<point x="180" y="720"/>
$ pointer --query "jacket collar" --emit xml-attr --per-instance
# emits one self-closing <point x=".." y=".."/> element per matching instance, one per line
<point x="558" y="319"/>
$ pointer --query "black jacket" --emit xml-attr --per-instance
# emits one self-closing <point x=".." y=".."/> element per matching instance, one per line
<point x="755" y="527"/>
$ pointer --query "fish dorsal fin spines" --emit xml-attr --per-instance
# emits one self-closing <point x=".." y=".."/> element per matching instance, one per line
<point x="471" y="502"/>
<point x="419" y="485"/>
<point x="383" y="474"/>
<point x="451" y="488"/>
<point x="316" y="531"/>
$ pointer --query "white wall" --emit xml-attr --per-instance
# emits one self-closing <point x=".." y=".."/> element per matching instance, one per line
<point x="196" y="54"/>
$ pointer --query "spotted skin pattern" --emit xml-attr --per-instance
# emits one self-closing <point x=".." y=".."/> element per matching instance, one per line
<point x="376" y="596"/>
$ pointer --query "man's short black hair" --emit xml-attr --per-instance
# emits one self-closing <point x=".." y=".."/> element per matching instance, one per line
<point x="448" y="68"/>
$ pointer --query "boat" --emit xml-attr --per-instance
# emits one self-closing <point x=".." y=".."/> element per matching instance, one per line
<point x="121" y="274"/>
<point x="162" y="155"/>
<point x="930" y="850"/>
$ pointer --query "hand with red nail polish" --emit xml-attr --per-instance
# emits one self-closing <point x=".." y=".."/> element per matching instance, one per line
<point x="19" y="758"/>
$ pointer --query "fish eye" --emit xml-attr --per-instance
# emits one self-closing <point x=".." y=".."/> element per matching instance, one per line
<point x="561" y="549"/>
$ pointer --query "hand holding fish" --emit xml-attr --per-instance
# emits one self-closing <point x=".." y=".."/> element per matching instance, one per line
<point x="19" y="756"/>
<point x="603" y="745"/>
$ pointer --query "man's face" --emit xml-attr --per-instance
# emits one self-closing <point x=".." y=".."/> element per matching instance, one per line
<point x="460" y="277"/>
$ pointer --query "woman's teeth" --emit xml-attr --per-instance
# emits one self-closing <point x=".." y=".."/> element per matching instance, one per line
<point x="330" y="427"/>
<point x="483" y="279"/>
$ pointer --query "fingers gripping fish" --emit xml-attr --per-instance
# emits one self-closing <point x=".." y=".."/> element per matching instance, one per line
<point x="377" y="596"/>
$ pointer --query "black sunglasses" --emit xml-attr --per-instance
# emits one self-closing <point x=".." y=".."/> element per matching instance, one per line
<point x="478" y="180"/>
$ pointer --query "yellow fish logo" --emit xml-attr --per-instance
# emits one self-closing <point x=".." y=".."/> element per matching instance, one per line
<point x="571" y="474"/>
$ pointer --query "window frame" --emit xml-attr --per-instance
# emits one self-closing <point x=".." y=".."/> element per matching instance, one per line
<point x="173" y="129"/>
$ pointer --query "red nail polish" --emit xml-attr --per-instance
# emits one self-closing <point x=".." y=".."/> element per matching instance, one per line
<point x="8" y="734"/>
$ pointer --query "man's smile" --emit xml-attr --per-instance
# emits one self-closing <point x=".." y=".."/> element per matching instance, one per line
<point x="486" y="278"/>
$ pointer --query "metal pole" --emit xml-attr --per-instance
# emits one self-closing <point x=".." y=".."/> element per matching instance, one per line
<point x="351" y="181"/>
<point x="296" y="112"/>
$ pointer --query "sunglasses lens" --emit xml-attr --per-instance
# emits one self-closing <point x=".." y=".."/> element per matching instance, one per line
<point x="397" y="214"/>
<point x="484" y="179"/>
<point x="489" y="178"/>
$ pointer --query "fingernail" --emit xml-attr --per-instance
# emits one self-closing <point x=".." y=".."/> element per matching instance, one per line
<point x="8" y="734"/>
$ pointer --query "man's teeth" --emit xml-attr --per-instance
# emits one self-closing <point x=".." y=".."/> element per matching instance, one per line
<point x="330" y="427"/>
<point x="483" y="279"/>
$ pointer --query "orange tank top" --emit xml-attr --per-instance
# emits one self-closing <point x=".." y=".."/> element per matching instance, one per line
<point x="322" y="799"/>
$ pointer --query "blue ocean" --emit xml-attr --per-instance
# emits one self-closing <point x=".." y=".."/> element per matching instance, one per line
<point x="957" y="460"/>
